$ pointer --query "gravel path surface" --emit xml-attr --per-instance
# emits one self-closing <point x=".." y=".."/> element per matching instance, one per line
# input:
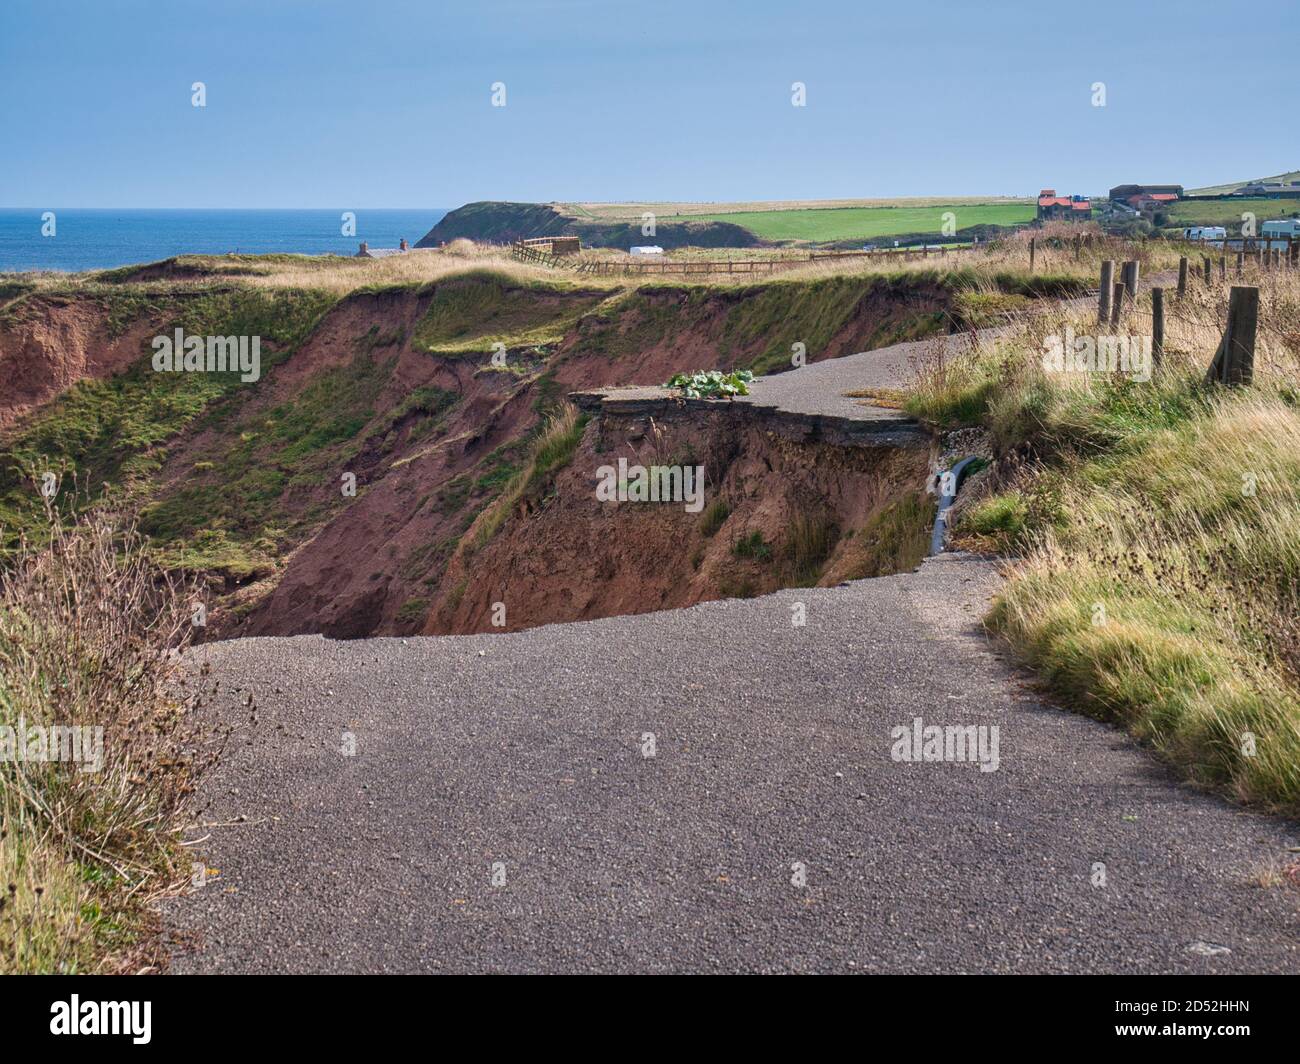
<point x="817" y="389"/>
<point x="820" y="388"/>
<point x="773" y="747"/>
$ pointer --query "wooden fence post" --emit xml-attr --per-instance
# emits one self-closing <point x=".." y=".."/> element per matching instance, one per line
<point x="1223" y="267"/>
<point x="1103" y="297"/>
<point x="1207" y="270"/>
<point x="1132" y="270"/>
<point x="1234" y="362"/>
<point x="1032" y="245"/>
<point x="1241" y="258"/>
<point x="1157" y="325"/>
<point x="1117" y="304"/>
<point x="1182" y="277"/>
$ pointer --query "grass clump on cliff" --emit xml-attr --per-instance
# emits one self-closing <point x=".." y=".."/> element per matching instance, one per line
<point x="810" y="540"/>
<point x="89" y="631"/>
<point x="714" y="516"/>
<point x="893" y="540"/>
<point x="1158" y="524"/>
<point x="470" y="312"/>
<point x="554" y="448"/>
<point x="753" y="547"/>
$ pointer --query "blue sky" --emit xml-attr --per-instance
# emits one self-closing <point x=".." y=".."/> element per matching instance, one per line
<point x="386" y="103"/>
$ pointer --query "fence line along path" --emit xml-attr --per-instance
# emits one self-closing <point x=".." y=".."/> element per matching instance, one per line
<point x="541" y="251"/>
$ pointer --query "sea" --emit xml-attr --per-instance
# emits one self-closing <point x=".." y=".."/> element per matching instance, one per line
<point x="81" y="238"/>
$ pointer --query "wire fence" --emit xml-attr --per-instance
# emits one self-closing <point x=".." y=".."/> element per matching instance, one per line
<point x="1195" y="322"/>
<point x="532" y="252"/>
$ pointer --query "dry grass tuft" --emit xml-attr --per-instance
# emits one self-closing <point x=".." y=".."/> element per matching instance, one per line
<point x="90" y="637"/>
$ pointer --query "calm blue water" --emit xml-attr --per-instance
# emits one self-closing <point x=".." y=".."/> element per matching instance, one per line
<point x="86" y="239"/>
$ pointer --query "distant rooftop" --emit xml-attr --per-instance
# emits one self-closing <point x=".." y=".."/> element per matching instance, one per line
<point x="365" y="251"/>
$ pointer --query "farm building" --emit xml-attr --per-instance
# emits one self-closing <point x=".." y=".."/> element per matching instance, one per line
<point x="1144" y="204"/>
<point x="1052" y="207"/>
<point x="1270" y="189"/>
<point x="1159" y="194"/>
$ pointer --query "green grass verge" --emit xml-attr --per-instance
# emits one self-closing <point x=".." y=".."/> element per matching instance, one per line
<point x="1160" y="587"/>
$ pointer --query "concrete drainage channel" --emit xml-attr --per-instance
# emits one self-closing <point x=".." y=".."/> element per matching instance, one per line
<point x="949" y="485"/>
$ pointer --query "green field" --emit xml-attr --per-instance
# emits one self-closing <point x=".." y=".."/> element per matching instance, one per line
<point x="1228" y="213"/>
<point x="866" y="223"/>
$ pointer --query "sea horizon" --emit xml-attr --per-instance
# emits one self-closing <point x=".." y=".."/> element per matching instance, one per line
<point x="77" y="239"/>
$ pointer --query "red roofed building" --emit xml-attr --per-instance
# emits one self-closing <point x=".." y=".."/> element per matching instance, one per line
<point x="1142" y="202"/>
<point x="1052" y="207"/>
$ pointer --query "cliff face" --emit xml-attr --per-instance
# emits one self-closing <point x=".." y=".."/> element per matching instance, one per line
<point x="248" y="483"/>
<point x="59" y="343"/>
<point x="761" y="509"/>
<point x="503" y="223"/>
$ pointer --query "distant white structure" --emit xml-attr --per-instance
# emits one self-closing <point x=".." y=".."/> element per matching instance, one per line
<point x="647" y="249"/>
<point x="1281" y="227"/>
<point x="1214" y="235"/>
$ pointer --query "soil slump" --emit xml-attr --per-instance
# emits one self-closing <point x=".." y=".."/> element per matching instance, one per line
<point x="776" y="512"/>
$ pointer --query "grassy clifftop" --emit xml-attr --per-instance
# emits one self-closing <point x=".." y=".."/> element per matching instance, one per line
<point x="1223" y="190"/>
<point x="496" y="222"/>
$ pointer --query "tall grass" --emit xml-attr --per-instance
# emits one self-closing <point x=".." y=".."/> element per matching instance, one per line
<point x="90" y="635"/>
<point x="810" y="539"/>
<point x="1158" y="528"/>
